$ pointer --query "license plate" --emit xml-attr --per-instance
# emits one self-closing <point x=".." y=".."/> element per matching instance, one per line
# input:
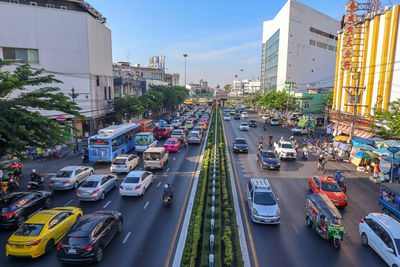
<point x="241" y="150"/>
<point x="71" y="250"/>
<point x="85" y="193"/>
<point x="129" y="188"/>
<point x="19" y="246"/>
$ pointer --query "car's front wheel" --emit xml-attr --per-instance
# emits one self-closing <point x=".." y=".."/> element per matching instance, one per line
<point x="99" y="254"/>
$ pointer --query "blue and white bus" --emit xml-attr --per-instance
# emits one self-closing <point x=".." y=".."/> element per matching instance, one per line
<point x="112" y="141"/>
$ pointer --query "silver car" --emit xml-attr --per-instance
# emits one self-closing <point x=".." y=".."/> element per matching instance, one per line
<point x="70" y="177"/>
<point x="194" y="137"/>
<point x="96" y="187"/>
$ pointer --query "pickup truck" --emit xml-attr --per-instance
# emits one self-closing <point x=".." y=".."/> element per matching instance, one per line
<point x="178" y="134"/>
<point x="285" y="150"/>
<point x="299" y="130"/>
<point x="162" y="132"/>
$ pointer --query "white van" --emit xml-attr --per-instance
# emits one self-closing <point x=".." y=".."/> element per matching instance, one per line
<point x="155" y="158"/>
<point x="244" y="115"/>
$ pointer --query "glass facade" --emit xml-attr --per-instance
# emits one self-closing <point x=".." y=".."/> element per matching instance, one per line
<point x="21" y="55"/>
<point x="270" y="62"/>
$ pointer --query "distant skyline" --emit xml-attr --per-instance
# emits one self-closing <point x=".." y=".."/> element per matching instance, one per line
<point x="220" y="37"/>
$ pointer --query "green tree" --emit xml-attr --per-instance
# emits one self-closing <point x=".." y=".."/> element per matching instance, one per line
<point x="21" y="123"/>
<point x="387" y="124"/>
<point x="127" y="107"/>
<point x="277" y="100"/>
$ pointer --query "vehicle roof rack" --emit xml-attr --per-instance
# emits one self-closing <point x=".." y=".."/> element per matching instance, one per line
<point x="261" y="183"/>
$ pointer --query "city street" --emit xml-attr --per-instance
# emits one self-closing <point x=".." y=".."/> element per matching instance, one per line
<point x="292" y="243"/>
<point x="150" y="230"/>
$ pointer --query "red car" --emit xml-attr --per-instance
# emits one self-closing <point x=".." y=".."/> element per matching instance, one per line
<point x="172" y="144"/>
<point x="330" y="188"/>
<point x="162" y="132"/>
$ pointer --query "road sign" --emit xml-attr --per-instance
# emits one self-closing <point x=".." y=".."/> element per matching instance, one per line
<point x="60" y="118"/>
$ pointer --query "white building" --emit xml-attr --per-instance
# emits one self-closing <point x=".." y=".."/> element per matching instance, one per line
<point x="251" y="87"/>
<point x="237" y="88"/>
<point x="298" y="45"/>
<point x="69" y="40"/>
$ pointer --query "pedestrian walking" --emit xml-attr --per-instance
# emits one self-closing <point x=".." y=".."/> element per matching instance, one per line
<point x="39" y="153"/>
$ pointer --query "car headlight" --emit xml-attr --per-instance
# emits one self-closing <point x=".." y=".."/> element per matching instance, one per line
<point x="278" y="213"/>
<point x="255" y="212"/>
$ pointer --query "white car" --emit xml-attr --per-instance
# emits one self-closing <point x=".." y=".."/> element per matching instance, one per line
<point x="176" y="123"/>
<point x="124" y="163"/>
<point x="262" y="203"/>
<point x="70" y="177"/>
<point x="382" y="233"/>
<point x="265" y="116"/>
<point x="274" y="122"/>
<point x="136" y="183"/>
<point x="244" y="115"/>
<point x="299" y="130"/>
<point x="244" y="126"/>
<point x="227" y="117"/>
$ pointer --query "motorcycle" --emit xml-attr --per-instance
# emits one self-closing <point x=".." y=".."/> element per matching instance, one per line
<point x="85" y="158"/>
<point x="167" y="200"/>
<point x="265" y="127"/>
<point x="36" y="184"/>
<point x="305" y="155"/>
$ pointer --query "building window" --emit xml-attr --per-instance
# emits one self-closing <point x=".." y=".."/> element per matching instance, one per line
<point x="325" y="34"/>
<point x="21" y="55"/>
<point x="105" y="92"/>
<point x="306" y="104"/>
<point x="270" y="62"/>
<point x="109" y="92"/>
<point x="33" y="4"/>
<point x="322" y="45"/>
<point x="97" y="80"/>
<point x="312" y="42"/>
<point x="331" y="47"/>
<point x="63" y="8"/>
<point x="51" y="5"/>
<point x="14" y="1"/>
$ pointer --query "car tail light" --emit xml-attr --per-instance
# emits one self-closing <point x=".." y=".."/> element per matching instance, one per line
<point x="138" y="186"/>
<point x="33" y="243"/>
<point x="160" y="162"/>
<point x="121" y="187"/>
<point x="50" y="182"/>
<point x="88" y="248"/>
<point x="59" y="246"/>
<point x="362" y="220"/>
<point x="126" y="165"/>
<point x="144" y="163"/>
<point x="8" y="214"/>
<point x="66" y="182"/>
<point x="95" y="191"/>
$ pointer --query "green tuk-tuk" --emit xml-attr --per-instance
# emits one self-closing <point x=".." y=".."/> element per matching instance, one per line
<point x="322" y="215"/>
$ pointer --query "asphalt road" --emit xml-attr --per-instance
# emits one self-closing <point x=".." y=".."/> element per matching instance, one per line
<point x="292" y="243"/>
<point x="149" y="230"/>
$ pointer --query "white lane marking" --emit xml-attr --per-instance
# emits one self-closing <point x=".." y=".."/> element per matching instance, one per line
<point x="126" y="238"/>
<point x="159" y="184"/>
<point x="69" y="202"/>
<point x="145" y="205"/>
<point x="140" y="169"/>
<point x="168" y="170"/>
<point x="106" y="205"/>
<point x="174" y="158"/>
<point x="295" y="229"/>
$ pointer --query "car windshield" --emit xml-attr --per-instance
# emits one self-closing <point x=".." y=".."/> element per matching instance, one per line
<point x="330" y="187"/>
<point x="197" y="129"/>
<point x="78" y="241"/>
<point x="131" y="180"/>
<point x="273" y="120"/>
<point x="252" y="121"/>
<point x="193" y="134"/>
<point x="287" y="146"/>
<point x="240" y="141"/>
<point x="63" y="174"/>
<point x="89" y="183"/>
<point x="264" y="198"/>
<point x="29" y="229"/>
<point x="269" y="155"/>
<point x="119" y="161"/>
<point x="243" y="124"/>
<point x="170" y="142"/>
<point x="177" y="132"/>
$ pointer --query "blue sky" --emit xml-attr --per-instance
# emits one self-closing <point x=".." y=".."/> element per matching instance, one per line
<point x="220" y="36"/>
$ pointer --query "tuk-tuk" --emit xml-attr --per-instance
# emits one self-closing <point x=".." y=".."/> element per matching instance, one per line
<point x="322" y="215"/>
<point x="389" y="198"/>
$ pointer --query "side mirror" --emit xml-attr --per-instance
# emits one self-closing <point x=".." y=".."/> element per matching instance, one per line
<point x="248" y="198"/>
<point x="389" y="250"/>
<point x="277" y="198"/>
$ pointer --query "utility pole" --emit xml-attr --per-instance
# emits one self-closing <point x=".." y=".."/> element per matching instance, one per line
<point x="73" y="95"/>
<point x="357" y="89"/>
<point x="290" y="85"/>
<point x="185" y="56"/>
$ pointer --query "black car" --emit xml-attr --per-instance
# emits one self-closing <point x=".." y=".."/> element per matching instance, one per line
<point x="240" y="145"/>
<point x="253" y="123"/>
<point x="237" y="116"/>
<point x="87" y="238"/>
<point x="16" y="207"/>
<point x="268" y="160"/>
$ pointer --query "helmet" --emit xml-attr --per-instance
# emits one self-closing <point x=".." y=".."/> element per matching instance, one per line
<point x="321" y="156"/>
<point x="166" y="186"/>
<point x="34" y="171"/>
<point x="337" y="171"/>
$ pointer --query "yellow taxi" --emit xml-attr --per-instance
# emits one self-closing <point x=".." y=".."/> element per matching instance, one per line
<point x="39" y="234"/>
<point x="202" y="125"/>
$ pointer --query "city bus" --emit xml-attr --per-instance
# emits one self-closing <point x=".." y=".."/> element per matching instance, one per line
<point x="147" y="125"/>
<point x="112" y="141"/>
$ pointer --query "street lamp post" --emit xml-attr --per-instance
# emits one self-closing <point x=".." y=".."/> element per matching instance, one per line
<point x="185" y="56"/>
<point x="75" y="95"/>
<point x="393" y="150"/>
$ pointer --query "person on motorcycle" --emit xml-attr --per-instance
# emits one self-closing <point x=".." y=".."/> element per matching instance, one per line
<point x="265" y="126"/>
<point x="261" y="140"/>
<point x="320" y="161"/>
<point x="271" y="140"/>
<point x="35" y="177"/>
<point x="282" y="139"/>
<point x="168" y="191"/>
<point x="338" y="177"/>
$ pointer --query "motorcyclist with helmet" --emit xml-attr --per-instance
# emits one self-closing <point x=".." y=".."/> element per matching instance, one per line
<point x="168" y="191"/>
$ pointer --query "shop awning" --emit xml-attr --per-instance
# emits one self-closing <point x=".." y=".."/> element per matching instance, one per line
<point x="357" y="132"/>
<point x="330" y="126"/>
